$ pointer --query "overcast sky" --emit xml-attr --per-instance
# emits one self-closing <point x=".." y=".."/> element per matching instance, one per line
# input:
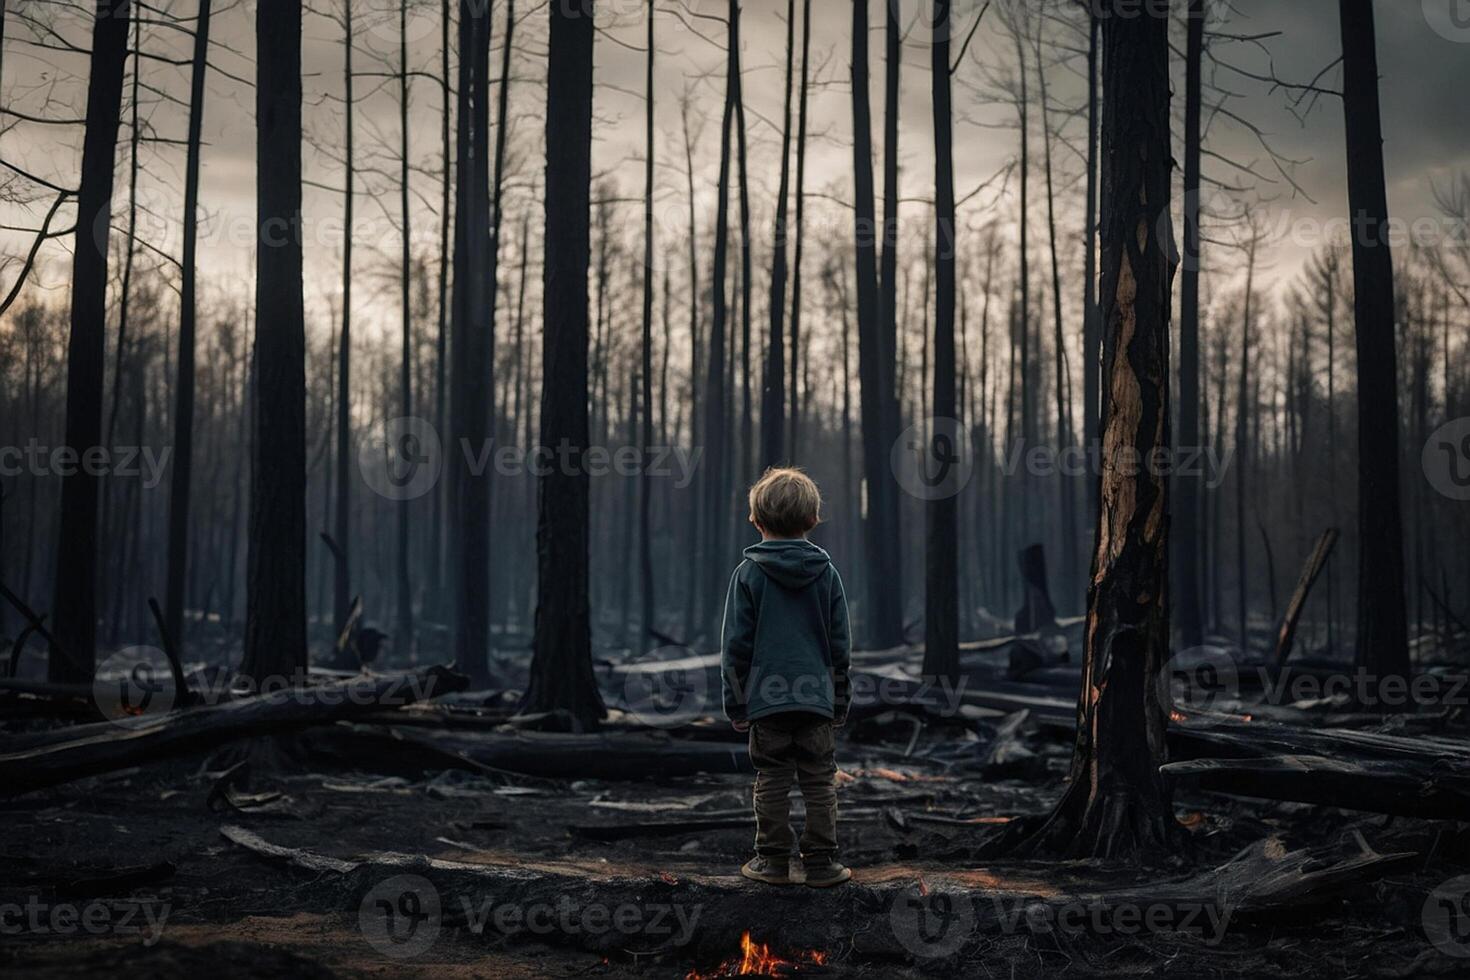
<point x="1424" y="57"/>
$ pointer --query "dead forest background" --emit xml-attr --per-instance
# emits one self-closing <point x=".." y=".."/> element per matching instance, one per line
<point x="729" y="299"/>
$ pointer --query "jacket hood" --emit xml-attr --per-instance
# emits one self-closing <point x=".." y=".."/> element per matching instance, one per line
<point x="794" y="564"/>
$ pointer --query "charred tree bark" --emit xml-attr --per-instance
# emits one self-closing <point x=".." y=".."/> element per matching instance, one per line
<point x="715" y="424"/>
<point x="875" y="367"/>
<point x="1382" y="641"/>
<point x="470" y="369"/>
<point x="1091" y="315"/>
<point x="403" y="583"/>
<point x="182" y="473"/>
<point x="275" y="615"/>
<point x="1116" y="804"/>
<point x="1186" y="510"/>
<point x="645" y="481"/>
<point x="341" y="590"/>
<point x="561" y="667"/>
<point x="941" y="604"/>
<point x="73" y="655"/>
<point x="801" y="126"/>
<point x="773" y="400"/>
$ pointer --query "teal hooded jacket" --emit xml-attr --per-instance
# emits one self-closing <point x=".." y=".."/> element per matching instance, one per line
<point x="785" y="642"/>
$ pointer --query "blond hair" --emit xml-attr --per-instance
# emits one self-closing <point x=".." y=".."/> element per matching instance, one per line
<point x="785" y="502"/>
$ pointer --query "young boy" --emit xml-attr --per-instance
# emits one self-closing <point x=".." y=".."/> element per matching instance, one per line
<point x="785" y="647"/>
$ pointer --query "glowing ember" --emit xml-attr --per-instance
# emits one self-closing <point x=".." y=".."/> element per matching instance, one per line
<point x="1178" y="716"/>
<point x="757" y="960"/>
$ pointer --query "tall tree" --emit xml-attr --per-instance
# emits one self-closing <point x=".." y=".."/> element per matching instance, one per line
<point x="181" y="476"/>
<point x="1062" y="382"/>
<point x="716" y="426"/>
<point x="404" y="587"/>
<point x="801" y="126"/>
<point x="275" y="613"/>
<point x="74" y="619"/>
<point x="645" y="482"/>
<point x="1382" y="641"/>
<point x="471" y="369"/>
<point x="441" y="342"/>
<point x="773" y="401"/>
<point x="1116" y="804"/>
<point x="1091" y="315"/>
<point x="875" y="365"/>
<point x="342" y="529"/>
<point x="941" y="606"/>
<point x="1187" y="527"/>
<point x="561" y="666"/>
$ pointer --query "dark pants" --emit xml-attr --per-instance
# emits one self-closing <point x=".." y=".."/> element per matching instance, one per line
<point x="796" y="747"/>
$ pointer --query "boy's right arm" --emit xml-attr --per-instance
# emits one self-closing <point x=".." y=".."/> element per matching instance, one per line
<point x="737" y="647"/>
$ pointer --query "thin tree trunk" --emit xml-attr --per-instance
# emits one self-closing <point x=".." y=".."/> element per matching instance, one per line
<point x="941" y="606"/>
<point x="74" y="617"/>
<point x="1091" y="315"/>
<point x="1070" y="536"/>
<point x="434" y="603"/>
<point x="884" y="614"/>
<point x="341" y="600"/>
<point x="796" y="297"/>
<point x="773" y="401"/>
<point x="178" y="511"/>
<point x="275" y="614"/>
<point x="404" y="587"/>
<point x="1382" y="640"/>
<point x="471" y="370"/>
<point x="561" y="666"/>
<point x="645" y="483"/>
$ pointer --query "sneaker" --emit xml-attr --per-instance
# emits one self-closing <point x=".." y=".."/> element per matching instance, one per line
<point x="825" y="874"/>
<point x="769" y="870"/>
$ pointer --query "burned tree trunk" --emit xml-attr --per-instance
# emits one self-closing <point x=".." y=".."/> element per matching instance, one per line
<point x="1116" y="804"/>
<point x="645" y="480"/>
<point x="178" y="501"/>
<point x="275" y="615"/>
<point x="471" y="369"/>
<point x="341" y="592"/>
<point x="75" y="606"/>
<point x="941" y="604"/>
<point x="773" y="400"/>
<point x="801" y="127"/>
<point x="561" y="667"/>
<point x="1382" y="641"/>
<point x="402" y="582"/>
<point x="884" y="612"/>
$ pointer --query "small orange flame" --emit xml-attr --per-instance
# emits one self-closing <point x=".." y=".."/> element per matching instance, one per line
<point x="1178" y="716"/>
<point x="757" y="960"/>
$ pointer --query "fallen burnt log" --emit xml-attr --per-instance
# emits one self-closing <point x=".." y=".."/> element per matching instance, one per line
<point x="1407" y="788"/>
<point x="631" y="756"/>
<point x="685" y="912"/>
<point x="85" y="750"/>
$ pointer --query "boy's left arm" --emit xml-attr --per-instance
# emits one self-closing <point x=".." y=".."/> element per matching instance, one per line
<point x="737" y="648"/>
<point x="840" y="643"/>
